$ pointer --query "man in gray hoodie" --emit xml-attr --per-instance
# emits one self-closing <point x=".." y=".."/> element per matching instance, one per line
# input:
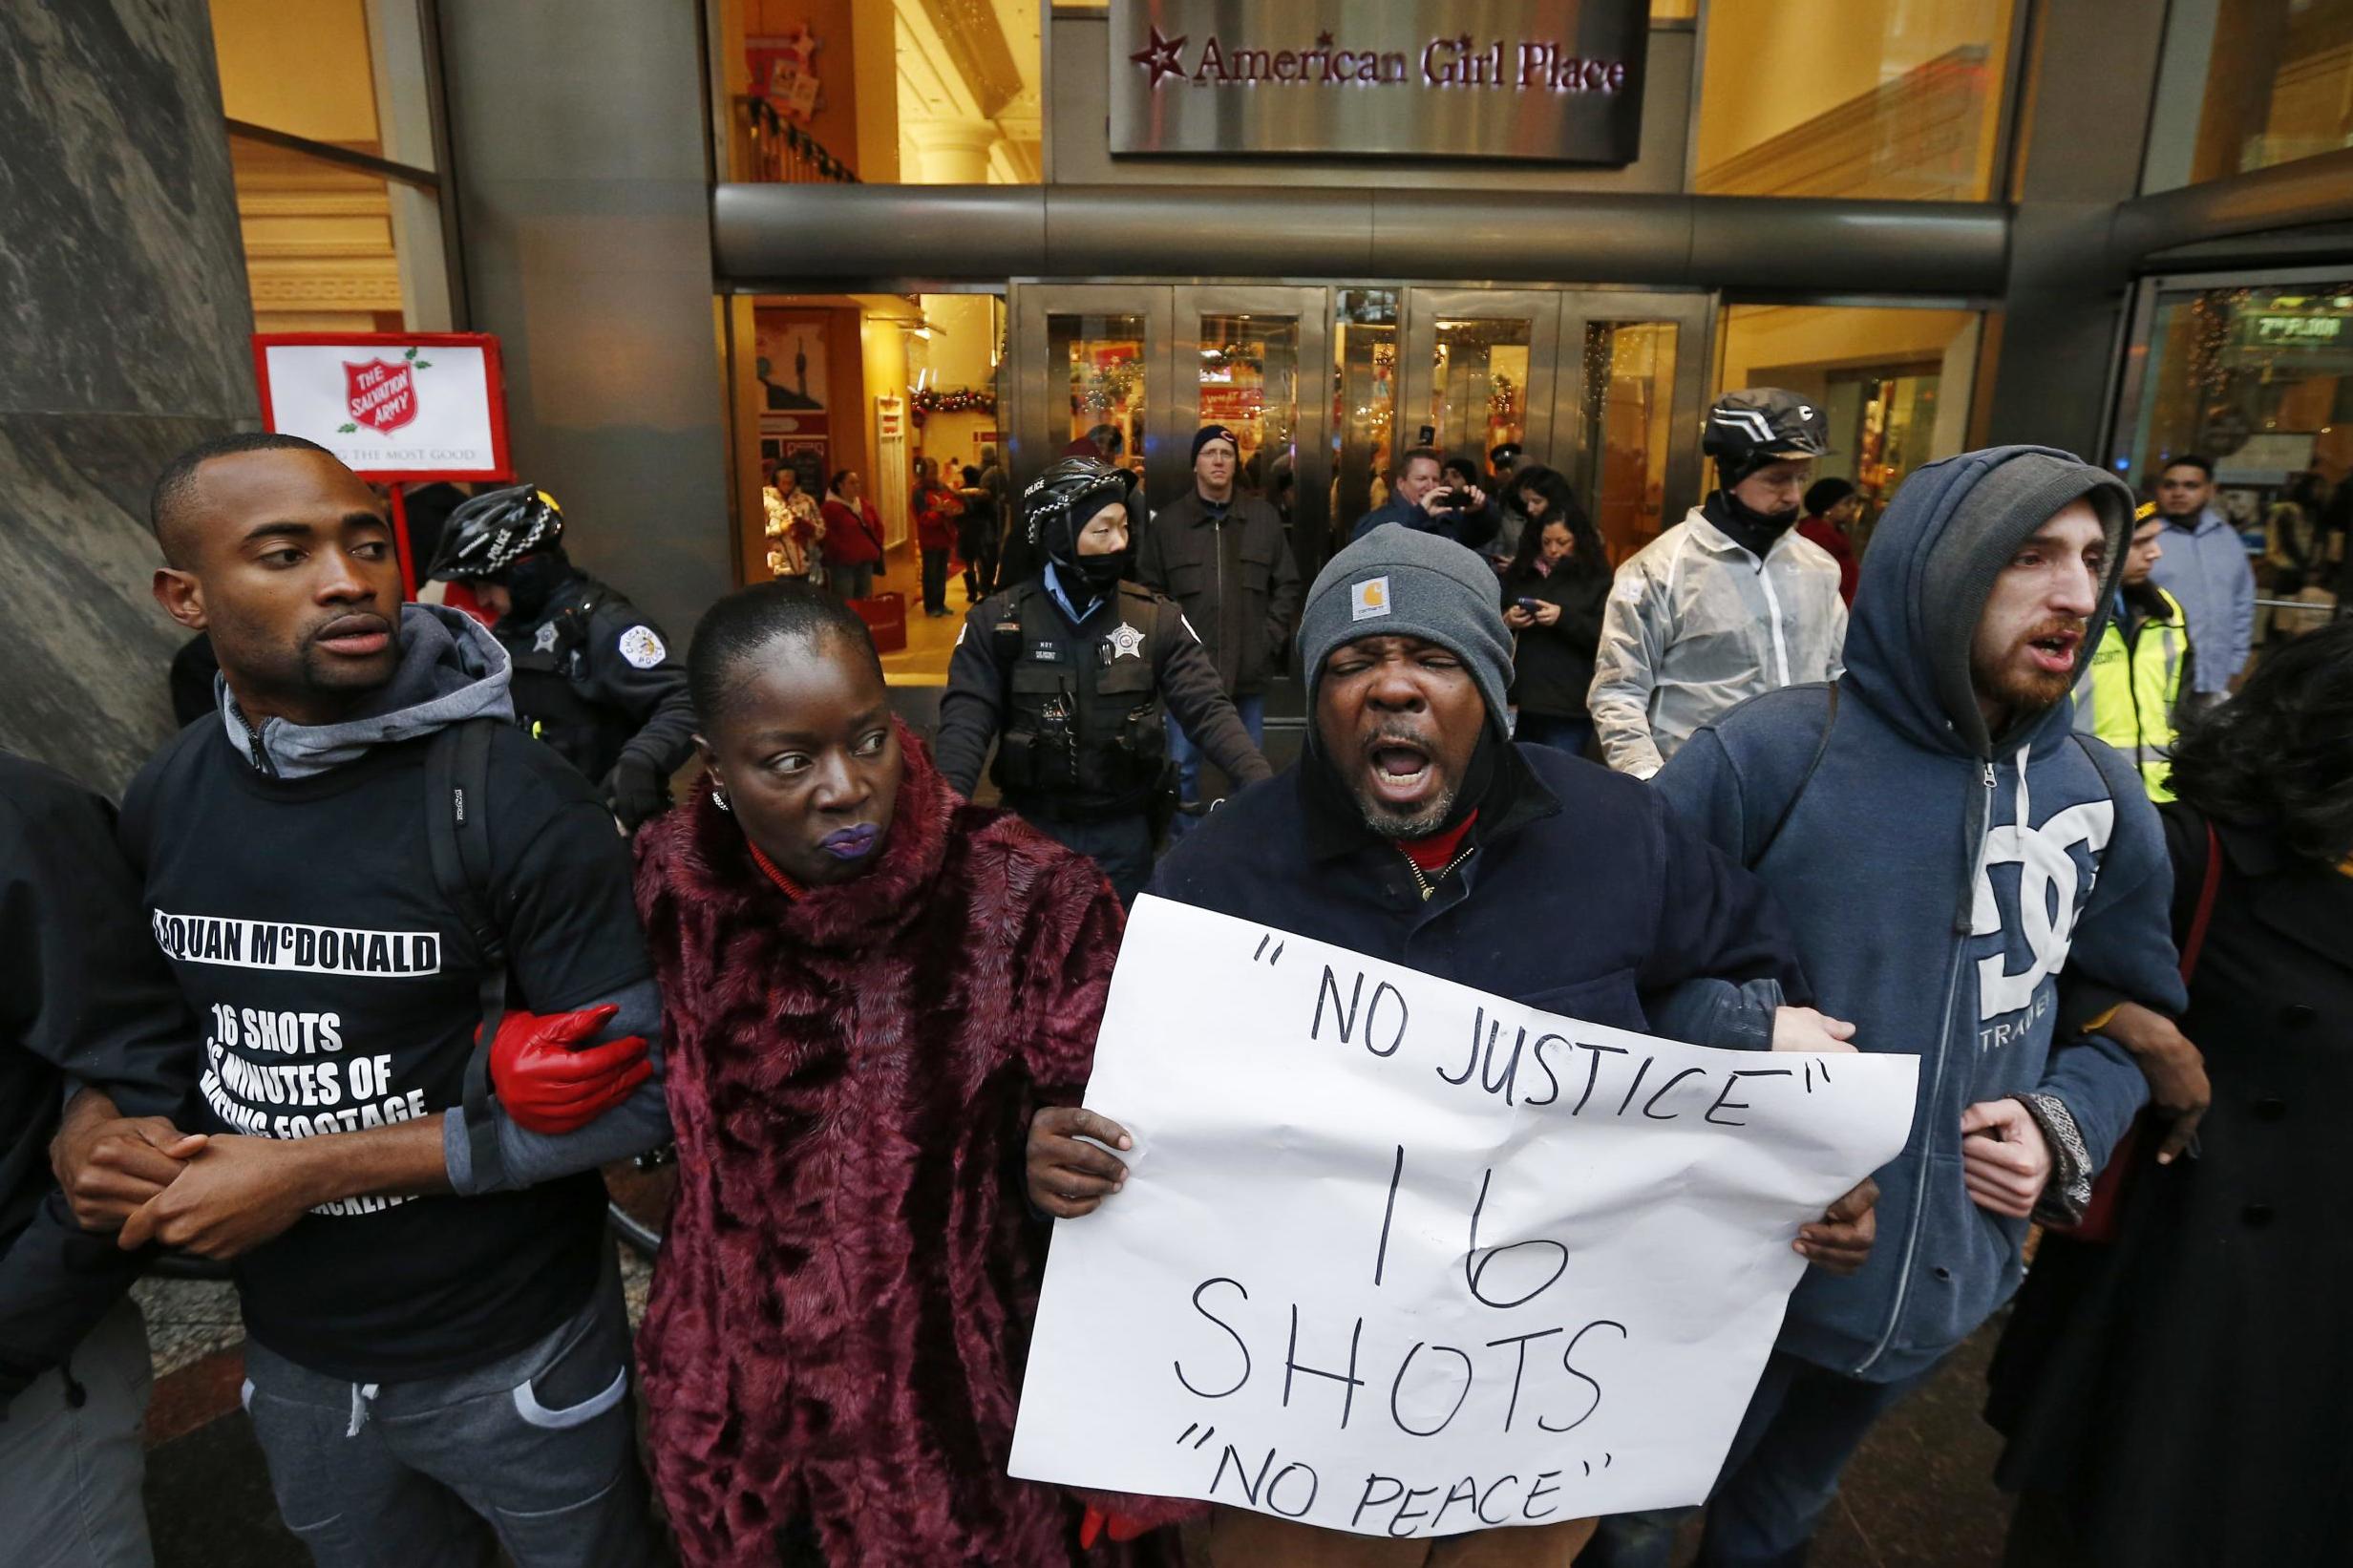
<point x="437" y="1356"/>
<point x="1944" y="842"/>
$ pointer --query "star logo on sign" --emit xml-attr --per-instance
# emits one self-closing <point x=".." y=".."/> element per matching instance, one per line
<point x="1162" y="56"/>
<point x="1127" y="642"/>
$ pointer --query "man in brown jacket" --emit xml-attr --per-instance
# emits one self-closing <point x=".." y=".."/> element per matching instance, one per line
<point x="1226" y="560"/>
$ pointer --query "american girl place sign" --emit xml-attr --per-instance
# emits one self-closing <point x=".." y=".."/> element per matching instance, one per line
<point x="1544" y="80"/>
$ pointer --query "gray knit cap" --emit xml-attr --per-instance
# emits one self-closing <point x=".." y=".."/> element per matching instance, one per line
<point x="1396" y="582"/>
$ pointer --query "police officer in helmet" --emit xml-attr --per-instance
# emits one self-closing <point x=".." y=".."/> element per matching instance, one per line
<point x="593" y="677"/>
<point x="1067" y="672"/>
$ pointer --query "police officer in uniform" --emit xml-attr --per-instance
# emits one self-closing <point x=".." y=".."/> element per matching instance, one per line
<point x="1068" y="673"/>
<point x="593" y="677"/>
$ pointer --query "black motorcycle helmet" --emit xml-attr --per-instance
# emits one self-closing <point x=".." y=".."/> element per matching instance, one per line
<point x="1059" y="502"/>
<point x="490" y="533"/>
<point x="1748" y="429"/>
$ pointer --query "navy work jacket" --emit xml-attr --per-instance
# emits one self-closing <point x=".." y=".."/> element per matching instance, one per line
<point x="1584" y="895"/>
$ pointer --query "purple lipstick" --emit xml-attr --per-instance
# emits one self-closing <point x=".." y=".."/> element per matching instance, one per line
<point x="850" y="843"/>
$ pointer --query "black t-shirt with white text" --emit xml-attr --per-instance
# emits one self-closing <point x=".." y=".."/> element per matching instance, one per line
<point x="338" y="989"/>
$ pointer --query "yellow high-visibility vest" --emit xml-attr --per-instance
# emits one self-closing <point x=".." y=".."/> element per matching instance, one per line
<point x="2127" y="696"/>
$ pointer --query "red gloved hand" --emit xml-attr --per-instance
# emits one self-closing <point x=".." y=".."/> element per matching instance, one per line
<point x="1118" y="1526"/>
<point x="550" y="1081"/>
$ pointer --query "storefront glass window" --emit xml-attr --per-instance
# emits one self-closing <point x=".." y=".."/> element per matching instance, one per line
<point x="1629" y="387"/>
<point x="1249" y="383"/>
<point x="1898" y="100"/>
<point x="1100" y="359"/>
<point x="332" y="247"/>
<point x="1478" y="395"/>
<point x="880" y="93"/>
<point x="2247" y="84"/>
<point x="2257" y="379"/>
<point x="1894" y="383"/>
<point x="1363" y="401"/>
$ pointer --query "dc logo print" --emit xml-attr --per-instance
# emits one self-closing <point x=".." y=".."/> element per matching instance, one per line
<point x="2050" y="889"/>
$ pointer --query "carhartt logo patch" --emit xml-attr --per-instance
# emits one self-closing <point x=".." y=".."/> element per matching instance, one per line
<point x="1369" y="598"/>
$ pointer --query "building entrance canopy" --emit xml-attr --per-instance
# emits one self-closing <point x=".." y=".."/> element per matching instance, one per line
<point x="784" y="238"/>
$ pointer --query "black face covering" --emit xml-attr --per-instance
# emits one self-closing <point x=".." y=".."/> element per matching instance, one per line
<point x="1104" y="573"/>
<point x="1753" y="530"/>
<point x="533" y="581"/>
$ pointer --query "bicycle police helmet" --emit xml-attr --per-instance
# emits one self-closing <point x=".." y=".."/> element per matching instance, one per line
<point x="1748" y="429"/>
<point x="491" y="532"/>
<point x="1059" y="502"/>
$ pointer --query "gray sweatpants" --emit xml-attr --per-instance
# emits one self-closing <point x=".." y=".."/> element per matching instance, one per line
<point x="536" y="1452"/>
<point x="71" y="1470"/>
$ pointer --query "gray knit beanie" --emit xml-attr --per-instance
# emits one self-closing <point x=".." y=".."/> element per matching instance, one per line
<point x="1396" y="582"/>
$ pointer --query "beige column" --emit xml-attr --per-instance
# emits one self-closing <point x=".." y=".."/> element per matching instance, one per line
<point x="955" y="151"/>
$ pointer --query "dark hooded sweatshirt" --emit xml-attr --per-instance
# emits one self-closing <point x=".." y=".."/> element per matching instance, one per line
<point x="1938" y="878"/>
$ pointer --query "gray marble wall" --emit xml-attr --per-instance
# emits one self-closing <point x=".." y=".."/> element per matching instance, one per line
<point x="580" y="134"/>
<point x="123" y="281"/>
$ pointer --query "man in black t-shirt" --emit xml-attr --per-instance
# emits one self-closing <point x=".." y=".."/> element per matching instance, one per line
<point x="435" y="1353"/>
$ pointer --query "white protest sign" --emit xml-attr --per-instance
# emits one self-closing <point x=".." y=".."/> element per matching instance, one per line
<point x="422" y="406"/>
<point x="1401" y="1258"/>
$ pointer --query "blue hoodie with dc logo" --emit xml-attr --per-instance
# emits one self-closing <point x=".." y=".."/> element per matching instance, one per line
<point x="1939" y="879"/>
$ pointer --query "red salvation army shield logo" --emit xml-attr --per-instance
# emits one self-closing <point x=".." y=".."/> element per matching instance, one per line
<point x="382" y="395"/>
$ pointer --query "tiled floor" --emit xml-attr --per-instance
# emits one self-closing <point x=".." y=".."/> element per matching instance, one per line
<point x="187" y="1320"/>
<point x="924" y="662"/>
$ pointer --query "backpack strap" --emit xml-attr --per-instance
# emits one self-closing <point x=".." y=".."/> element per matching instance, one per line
<point x="2117" y="777"/>
<point x="458" y="834"/>
<point x="1820" y="747"/>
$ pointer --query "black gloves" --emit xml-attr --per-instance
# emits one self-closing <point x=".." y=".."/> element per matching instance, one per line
<point x="636" y="791"/>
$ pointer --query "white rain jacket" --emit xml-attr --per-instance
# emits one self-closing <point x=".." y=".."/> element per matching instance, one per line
<point x="1695" y="626"/>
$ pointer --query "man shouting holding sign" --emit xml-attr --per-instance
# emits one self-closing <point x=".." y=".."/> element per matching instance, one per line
<point x="1415" y="833"/>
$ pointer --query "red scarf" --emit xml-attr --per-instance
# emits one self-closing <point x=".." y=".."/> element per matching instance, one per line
<point x="1434" y="853"/>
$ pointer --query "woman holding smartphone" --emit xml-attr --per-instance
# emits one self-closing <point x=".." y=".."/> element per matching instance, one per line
<point x="1554" y="589"/>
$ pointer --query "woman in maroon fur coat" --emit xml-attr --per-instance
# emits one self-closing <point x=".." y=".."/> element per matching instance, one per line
<point x="872" y="986"/>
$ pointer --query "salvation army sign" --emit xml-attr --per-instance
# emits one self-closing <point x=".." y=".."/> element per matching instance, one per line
<point x="381" y="395"/>
<point x="1550" y="80"/>
<point x="1400" y="1258"/>
<point x="424" y="406"/>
